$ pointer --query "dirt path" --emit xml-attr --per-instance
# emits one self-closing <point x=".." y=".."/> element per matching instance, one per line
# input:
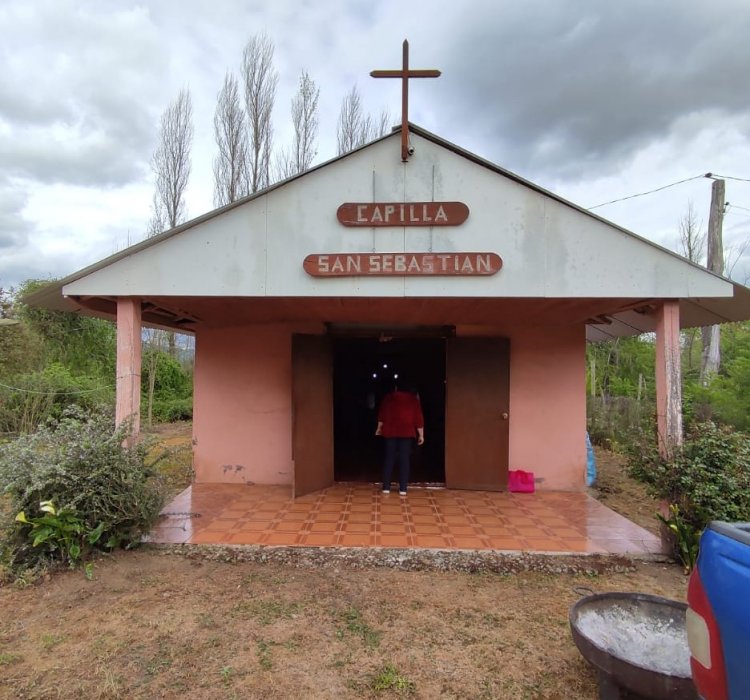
<point x="616" y="490"/>
<point x="155" y="625"/>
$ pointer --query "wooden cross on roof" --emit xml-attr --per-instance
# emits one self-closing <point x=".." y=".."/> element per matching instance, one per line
<point x="405" y="73"/>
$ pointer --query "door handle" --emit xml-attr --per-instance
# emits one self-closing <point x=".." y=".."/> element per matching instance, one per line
<point x="504" y="415"/>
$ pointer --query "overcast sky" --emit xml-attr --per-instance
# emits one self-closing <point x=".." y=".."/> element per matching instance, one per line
<point x="592" y="100"/>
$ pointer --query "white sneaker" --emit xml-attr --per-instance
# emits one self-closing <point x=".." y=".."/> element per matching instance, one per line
<point x="402" y="493"/>
<point x="386" y="491"/>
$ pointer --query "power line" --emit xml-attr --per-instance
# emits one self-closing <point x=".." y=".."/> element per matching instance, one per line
<point x="56" y="393"/>
<point x="714" y="176"/>
<point x="658" y="189"/>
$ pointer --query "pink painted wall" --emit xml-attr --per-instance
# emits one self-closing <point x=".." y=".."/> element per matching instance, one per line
<point x="548" y="406"/>
<point x="242" y="406"/>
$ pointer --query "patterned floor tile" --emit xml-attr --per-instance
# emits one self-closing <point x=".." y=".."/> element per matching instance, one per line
<point x="359" y="515"/>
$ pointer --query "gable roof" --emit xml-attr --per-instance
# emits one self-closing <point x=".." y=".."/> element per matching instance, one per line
<point x="724" y="300"/>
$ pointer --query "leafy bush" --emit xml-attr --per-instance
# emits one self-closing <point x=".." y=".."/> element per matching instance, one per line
<point x="60" y="532"/>
<point x="81" y="465"/>
<point x="166" y="388"/>
<point x="611" y="420"/>
<point x="39" y="396"/>
<point x="684" y="536"/>
<point x="85" y="345"/>
<point x="171" y="410"/>
<point x="21" y="350"/>
<point x="707" y="479"/>
<point x="171" y="380"/>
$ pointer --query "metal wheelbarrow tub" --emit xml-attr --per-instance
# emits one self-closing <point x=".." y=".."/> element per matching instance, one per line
<point x="637" y="643"/>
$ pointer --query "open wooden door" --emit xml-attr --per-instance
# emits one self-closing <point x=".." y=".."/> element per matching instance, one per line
<point x="312" y="413"/>
<point x="477" y="403"/>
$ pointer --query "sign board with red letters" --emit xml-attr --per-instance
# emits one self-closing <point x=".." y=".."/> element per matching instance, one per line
<point x="402" y="213"/>
<point x="402" y="264"/>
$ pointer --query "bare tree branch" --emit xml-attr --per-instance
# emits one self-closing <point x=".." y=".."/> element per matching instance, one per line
<point x="693" y="247"/>
<point x="692" y="239"/>
<point x="305" y="121"/>
<point x="156" y="224"/>
<point x="285" y="165"/>
<point x="171" y="163"/>
<point x="383" y="125"/>
<point x="733" y="254"/>
<point x="260" y="80"/>
<point x="230" y="130"/>
<point x="355" y="127"/>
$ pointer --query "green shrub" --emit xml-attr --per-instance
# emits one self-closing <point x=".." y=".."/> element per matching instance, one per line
<point x="81" y="465"/>
<point x="171" y="410"/>
<point x="85" y="345"/>
<point x="60" y="533"/>
<point x="707" y="479"/>
<point x="611" y="420"/>
<point x="37" y="397"/>
<point x="171" y="380"/>
<point x="684" y="537"/>
<point x="170" y="397"/>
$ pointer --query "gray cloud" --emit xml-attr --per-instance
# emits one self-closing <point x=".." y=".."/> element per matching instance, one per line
<point x="84" y="109"/>
<point x="32" y="266"/>
<point x="566" y="84"/>
<point x="96" y="158"/>
<point x="14" y="228"/>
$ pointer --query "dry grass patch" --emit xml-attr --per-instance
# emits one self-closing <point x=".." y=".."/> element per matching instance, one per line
<point x="152" y="625"/>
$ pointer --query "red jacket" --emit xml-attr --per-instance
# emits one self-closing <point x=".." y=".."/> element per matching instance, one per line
<point x="401" y="414"/>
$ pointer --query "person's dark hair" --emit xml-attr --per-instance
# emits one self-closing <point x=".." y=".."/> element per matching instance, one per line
<point x="404" y="385"/>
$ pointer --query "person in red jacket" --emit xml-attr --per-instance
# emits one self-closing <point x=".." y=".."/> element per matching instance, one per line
<point x="400" y="420"/>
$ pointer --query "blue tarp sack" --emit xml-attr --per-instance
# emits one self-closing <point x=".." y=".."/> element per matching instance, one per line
<point x="590" y="463"/>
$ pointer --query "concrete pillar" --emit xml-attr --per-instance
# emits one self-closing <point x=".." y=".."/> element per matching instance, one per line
<point x="668" y="377"/>
<point x="129" y="363"/>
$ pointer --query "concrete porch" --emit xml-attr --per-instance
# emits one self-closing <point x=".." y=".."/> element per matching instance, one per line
<point x="359" y="515"/>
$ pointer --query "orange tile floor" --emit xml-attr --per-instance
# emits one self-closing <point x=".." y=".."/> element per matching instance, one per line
<point x="359" y="515"/>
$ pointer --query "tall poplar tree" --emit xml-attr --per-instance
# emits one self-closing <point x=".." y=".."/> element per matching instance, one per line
<point x="171" y="163"/>
<point x="305" y="122"/>
<point x="260" y="80"/>
<point x="230" y="130"/>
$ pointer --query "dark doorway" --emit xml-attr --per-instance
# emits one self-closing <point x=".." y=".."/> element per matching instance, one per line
<point x="363" y="369"/>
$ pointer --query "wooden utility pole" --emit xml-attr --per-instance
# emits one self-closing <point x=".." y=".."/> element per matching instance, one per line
<point x="711" y="335"/>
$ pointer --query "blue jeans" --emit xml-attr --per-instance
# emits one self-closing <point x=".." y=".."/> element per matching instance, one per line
<point x="397" y="448"/>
